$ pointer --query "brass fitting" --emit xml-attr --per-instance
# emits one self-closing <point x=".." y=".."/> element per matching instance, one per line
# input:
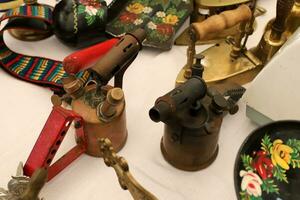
<point x="107" y="110"/>
<point x="73" y="86"/>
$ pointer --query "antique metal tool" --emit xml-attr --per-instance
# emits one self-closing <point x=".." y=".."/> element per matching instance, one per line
<point x="98" y="109"/>
<point x="126" y="180"/>
<point x="227" y="58"/>
<point x="21" y="187"/>
<point x="273" y="38"/>
<point x="193" y="116"/>
<point x="205" y="9"/>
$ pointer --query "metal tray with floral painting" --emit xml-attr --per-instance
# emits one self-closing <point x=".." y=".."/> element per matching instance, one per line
<point x="160" y="18"/>
<point x="268" y="163"/>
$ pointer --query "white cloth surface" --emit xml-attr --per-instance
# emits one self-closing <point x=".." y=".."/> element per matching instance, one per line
<point x="24" y="108"/>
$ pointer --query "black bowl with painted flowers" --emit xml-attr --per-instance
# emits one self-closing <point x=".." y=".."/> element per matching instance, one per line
<point x="267" y="166"/>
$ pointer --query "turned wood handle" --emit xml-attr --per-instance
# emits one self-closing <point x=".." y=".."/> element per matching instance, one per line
<point x="224" y="20"/>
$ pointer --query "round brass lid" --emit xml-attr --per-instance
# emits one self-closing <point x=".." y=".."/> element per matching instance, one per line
<point x="219" y="3"/>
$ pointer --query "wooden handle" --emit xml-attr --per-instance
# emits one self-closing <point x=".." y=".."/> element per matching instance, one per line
<point x="224" y="20"/>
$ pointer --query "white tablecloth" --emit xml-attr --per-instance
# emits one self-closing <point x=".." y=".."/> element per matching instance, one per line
<point x="24" y="108"/>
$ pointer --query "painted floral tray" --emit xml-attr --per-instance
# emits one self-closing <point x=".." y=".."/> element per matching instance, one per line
<point x="160" y="18"/>
<point x="268" y="163"/>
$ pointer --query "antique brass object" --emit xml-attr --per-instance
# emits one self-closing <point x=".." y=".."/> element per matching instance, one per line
<point x="126" y="180"/>
<point x="21" y="187"/>
<point x="101" y="106"/>
<point x="10" y="4"/>
<point x="293" y="20"/>
<point x="218" y="3"/>
<point x="193" y="116"/>
<point x="273" y="38"/>
<point x="197" y="16"/>
<point x="35" y="29"/>
<point x="96" y="109"/>
<point x="225" y="59"/>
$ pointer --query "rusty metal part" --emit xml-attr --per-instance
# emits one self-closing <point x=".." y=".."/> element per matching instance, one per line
<point x="116" y="61"/>
<point x="293" y="20"/>
<point x="193" y="117"/>
<point x="126" y="180"/>
<point x="273" y="38"/>
<point x="21" y="187"/>
<point x="96" y="126"/>
<point x="73" y="86"/>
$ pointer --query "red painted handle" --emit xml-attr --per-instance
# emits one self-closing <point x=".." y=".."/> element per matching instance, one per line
<point x="85" y="58"/>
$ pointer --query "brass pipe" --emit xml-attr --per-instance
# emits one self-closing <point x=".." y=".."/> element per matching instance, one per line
<point x="293" y="21"/>
<point x="108" y="108"/>
<point x="282" y="11"/>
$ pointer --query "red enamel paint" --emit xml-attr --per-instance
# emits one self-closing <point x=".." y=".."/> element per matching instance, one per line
<point x="85" y="58"/>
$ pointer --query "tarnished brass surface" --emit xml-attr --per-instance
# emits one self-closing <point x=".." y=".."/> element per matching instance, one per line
<point x="293" y="20"/>
<point x="10" y="4"/>
<point x="29" y="35"/>
<point x="218" y="64"/>
<point x="218" y="3"/>
<point x="21" y="187"/>
<point x="126" y="180"/>
<point x="273" y="38"/>
<point x="193" y="114"/>
<point x="95" y="128"/>
<point x="267" y="47"/>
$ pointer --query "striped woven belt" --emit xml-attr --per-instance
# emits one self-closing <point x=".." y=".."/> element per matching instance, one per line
<point x="38" y="70"/>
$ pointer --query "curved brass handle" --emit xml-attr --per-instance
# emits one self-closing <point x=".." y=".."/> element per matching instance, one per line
<point x="224" y="20"/>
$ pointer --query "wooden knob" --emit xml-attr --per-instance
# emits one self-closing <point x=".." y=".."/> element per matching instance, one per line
<point x="224" y="20"/>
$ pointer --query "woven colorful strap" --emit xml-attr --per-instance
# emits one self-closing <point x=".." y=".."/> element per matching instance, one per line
<point x="38" y="70"/>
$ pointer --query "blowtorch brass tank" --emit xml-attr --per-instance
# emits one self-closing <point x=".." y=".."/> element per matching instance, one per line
<point x="194" y="145"/>
<point x="95" y="128"/>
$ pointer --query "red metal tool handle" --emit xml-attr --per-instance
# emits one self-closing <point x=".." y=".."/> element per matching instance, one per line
<point x="50" y="139"/>
<point x="85" y="58"/>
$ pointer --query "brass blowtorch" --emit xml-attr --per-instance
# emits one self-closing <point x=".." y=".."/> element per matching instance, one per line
<point x="97" y="109"/>
<point x="193" y="115"/>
